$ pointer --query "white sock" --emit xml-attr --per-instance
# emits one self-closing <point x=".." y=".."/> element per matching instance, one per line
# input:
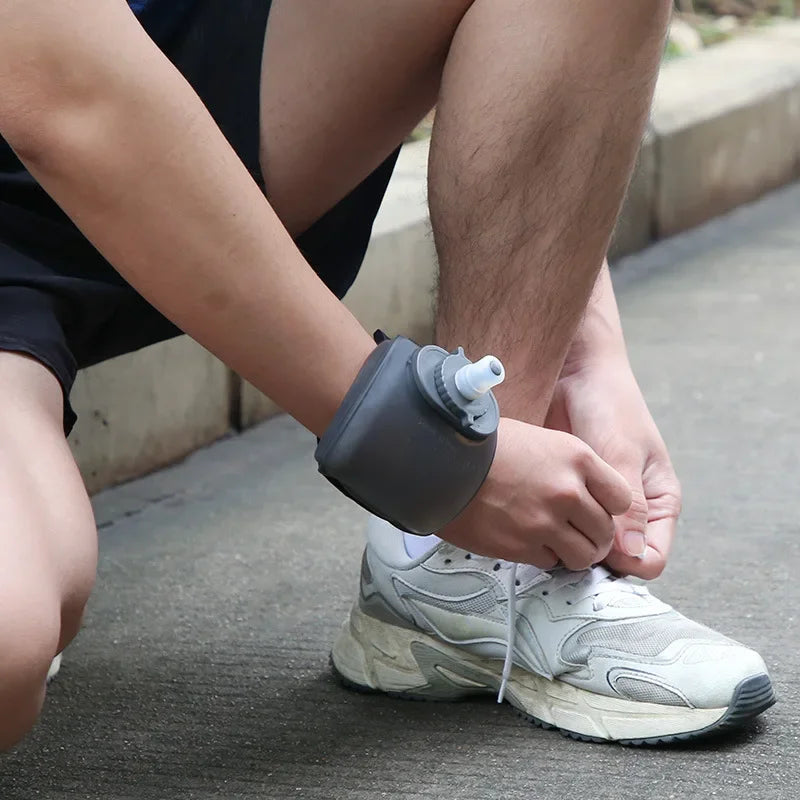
<point x="419" y="545"/>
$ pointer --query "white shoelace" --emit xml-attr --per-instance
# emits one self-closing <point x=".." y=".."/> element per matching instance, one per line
<point x="600" y="582"/>
<point x="512" y="631"/>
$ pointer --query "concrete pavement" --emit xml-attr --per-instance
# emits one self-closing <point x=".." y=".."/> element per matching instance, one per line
<point x="202" y="671"/>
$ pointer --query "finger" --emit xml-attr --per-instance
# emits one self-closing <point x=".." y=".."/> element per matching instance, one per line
<point x="574" y="550"/>
<point x="660" y="534"/>
<point x="658" y="511"/>
<point x="542" y="557"/>
<point x="594" y="522"/>
<point x="631" y="527"/>
<point x="607" y="486"/>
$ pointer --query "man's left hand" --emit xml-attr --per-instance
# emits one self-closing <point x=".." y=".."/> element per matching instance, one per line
<point x="601" y="403"/>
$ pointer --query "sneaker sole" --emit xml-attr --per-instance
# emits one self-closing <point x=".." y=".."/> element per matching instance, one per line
<point x="370" y="655"/>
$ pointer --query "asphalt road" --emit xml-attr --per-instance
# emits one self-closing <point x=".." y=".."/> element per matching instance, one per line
<point x="202" y="671"/>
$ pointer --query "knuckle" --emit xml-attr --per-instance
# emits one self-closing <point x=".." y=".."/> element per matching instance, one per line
<point x="604" y="533"/>
<point x="675" y="499"/>
<point x="645" y="573"/>
<point x="603" y="551"/>
<point x="568" y="493"/>
<point x="653" y="570"/>
<point x="519" y="551"/>
<point x="638" y="502"/>
<point x="582" y="455"/>
<point x="545" y="559"/>
<point x="656" y="572"/>
<point x="577" y="561"/>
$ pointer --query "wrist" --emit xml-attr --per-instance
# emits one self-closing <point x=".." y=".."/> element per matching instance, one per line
<point x="595" y="346"/>
<point x="599" y="338"/>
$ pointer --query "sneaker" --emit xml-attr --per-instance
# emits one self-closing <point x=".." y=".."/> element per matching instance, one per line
<point x="595" y="656"/>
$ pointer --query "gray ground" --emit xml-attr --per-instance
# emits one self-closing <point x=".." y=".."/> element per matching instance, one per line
<point x="202" y="671"/>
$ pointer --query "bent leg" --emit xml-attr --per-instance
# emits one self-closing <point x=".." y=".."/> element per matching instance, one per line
<point x="48" y="540"/>
<point x="541" y="107"/>
<point x="342" y="83"/>
<point x="539" y="120"/>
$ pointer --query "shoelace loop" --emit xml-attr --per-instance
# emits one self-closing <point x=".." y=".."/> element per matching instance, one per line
<point x="600" y="581"/>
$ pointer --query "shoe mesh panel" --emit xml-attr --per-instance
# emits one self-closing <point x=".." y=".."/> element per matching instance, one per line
<point x="482" y="604"/>
<point x="646" y="692"/>
<point x="646" y="637"/>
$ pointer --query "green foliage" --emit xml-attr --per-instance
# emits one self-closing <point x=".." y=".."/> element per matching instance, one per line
<point x="747" y="10"/>
<point x="711" y="34"/>
<point x="672" y="51"/>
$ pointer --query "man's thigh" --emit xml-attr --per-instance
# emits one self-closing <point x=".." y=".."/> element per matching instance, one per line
<point x="48" y="538"/>
<point x="342" y="83"/>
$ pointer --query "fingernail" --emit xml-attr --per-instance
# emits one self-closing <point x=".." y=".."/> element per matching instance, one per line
<point x="635" y="544"/>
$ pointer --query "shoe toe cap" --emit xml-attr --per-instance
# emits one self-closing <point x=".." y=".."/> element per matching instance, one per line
<point x="712" y="672"/>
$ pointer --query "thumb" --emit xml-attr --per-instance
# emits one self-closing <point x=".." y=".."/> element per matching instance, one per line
<point x="631" y="527"/>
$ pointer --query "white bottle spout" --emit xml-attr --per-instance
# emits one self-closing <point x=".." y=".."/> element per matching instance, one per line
<point x="474" y="380"/>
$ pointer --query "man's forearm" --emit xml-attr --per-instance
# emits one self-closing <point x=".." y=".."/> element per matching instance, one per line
<point x="599" y="335"/>
<point x="129" y="152"/>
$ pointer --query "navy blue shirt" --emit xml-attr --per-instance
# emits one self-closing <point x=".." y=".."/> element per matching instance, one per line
<point x="160" y="17"/>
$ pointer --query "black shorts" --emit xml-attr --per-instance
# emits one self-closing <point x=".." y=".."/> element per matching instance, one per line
<point x="63" y="303"/>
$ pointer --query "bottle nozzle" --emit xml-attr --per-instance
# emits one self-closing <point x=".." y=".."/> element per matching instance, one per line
<point x="474" y="380"/>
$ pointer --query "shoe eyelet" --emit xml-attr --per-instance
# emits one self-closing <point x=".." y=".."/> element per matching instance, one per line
<point x="516" y="583"/>
<point x="569" y="602"/>
<point x="496" y="567"/>
<point x="448" y="561"/>
<point x="545" y="593"/>
<point x="468" y="556"/>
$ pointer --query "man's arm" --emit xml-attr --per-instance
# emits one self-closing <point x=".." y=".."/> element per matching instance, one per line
<point x="598" y="400"/>
<point x="117" y="137"/>
<point x="599" y="336"/>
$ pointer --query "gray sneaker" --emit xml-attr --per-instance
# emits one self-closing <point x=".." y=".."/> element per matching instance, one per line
<point x="595" y="656"/>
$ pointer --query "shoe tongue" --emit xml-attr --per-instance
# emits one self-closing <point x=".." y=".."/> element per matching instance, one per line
<point x="527" y="572"/>
<point x="593" y="575"/>
<point x="616" y="592"/>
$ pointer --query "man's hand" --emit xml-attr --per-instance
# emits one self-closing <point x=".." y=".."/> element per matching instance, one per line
<point x="601" y="404"/>
<point x="548" y="498"/>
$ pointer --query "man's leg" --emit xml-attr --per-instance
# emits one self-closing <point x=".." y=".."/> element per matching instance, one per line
<point x="530" y="159"/>
<point x="541" y="107"/>
<point x="539" y="120"/>
<point x="532" y="150"/>
<point x="47" y="540"/>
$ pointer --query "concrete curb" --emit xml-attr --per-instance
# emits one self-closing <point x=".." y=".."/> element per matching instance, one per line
<point x="142" y="411"/>
<point x="725" y="129"/>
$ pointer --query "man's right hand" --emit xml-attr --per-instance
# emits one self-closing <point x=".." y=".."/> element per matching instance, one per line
<point x="548" y="498"/>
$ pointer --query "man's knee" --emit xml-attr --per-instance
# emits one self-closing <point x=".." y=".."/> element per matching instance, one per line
<point x="30" y="625"/>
